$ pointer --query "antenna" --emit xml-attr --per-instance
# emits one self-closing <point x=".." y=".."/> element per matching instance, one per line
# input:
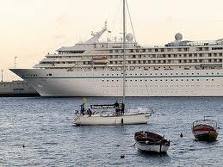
<point x="15" y="63"/>
<point x="2" y="71"/>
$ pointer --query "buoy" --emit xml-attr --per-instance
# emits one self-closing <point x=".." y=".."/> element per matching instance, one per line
<point x="122" y="156"/>
<point x="181" y="135"/>
<point x="23" y="146"/>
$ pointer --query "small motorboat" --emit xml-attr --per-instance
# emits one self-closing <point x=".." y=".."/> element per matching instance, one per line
<point x="151" y="142"/>
<point x="205" y="130"/>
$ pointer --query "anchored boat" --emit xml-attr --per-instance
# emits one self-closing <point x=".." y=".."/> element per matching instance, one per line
<point x="205" y="130"/>
<point x="110" y="114"/>
<point x="151" y="142"/>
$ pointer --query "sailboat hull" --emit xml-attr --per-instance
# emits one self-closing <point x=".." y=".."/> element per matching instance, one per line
<point x="127" y="119"/>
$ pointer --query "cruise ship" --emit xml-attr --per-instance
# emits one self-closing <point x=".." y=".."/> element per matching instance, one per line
<point x="95" y="68"/>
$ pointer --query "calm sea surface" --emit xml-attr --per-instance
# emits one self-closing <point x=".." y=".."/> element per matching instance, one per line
<point x="44" y="127"/>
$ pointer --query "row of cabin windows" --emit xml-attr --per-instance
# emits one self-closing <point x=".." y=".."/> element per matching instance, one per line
<point x="71" y="52"/>
<point x="167" y="55"/>
<point x="132" y="68"/>
<point x="35" y="75"/>
<point x="167" y="61"/>
<point x="200" y="61"/>
<point x="143" y="61"/>
<point x="154" y="55"/>
<point x="164" y="50"/>
<point x="158" y="80"/>
<point x="145" y="50"/>
<point x="217" y="48"/>
<point x="145" y="56"/>
<point x="161" y="74"/>
<point x="149" y="50"/>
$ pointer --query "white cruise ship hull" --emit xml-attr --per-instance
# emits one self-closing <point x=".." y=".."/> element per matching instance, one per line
<point x="61" y="82"/>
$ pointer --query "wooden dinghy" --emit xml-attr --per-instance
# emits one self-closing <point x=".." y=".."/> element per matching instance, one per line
<point x="151" y="142"/>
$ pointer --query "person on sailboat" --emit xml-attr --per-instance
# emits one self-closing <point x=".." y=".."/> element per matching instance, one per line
<point x="116" y="106"/>
<point x="89" y="112"/>
<point x="122" y="108"/>
<point x="83" y="108"/>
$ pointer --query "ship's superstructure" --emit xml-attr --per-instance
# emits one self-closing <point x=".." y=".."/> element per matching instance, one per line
<point x="95" y="68"/>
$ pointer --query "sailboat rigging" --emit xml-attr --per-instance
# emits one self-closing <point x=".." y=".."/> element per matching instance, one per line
<point x="124" y="58"/>
<point x="102" y="114"/>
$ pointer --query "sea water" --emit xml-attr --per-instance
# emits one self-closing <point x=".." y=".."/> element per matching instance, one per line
<point x="36" y="131"/>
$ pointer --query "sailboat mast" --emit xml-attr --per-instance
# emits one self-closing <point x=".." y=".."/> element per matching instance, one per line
<point x="124" y="58"/>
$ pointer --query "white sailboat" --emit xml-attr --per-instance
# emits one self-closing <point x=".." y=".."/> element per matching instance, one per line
<point x="102" y="114"/>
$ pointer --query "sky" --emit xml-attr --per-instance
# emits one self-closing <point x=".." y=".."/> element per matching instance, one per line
<point x="29" y="29"/>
